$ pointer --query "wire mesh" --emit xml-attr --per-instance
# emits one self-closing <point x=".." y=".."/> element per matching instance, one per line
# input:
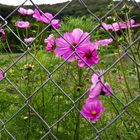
<point x="50" y="77"/>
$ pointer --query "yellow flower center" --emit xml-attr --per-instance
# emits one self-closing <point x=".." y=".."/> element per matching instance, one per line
<point x="94" y="112"/>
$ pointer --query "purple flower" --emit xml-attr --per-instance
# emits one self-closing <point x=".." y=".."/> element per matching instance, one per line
<point x="37" y="15"/>
<point x="23" y="24"/>
<point x="96" y="88"/>
<point x="90" y="100"/>
<point x="55" y="23"/>
<point x="107" y="89"/>
<point x="23" y="11"/>
<point x="104" y="42"/>
<point x="50" y="42"/>
<point x="106" y="26"/>
<point x="46" y="18"/>
<point x="64" y="49"/>
<point x="130" y="23"/>
<point x="93" y="110"/>
<point x="2" y="35"/>
<point x="1" y="75"/>
<point x="120" y="25"/>
<point x="99" y="86"/>
<point x="29" y="40"/>
<point x="89" y="54"/>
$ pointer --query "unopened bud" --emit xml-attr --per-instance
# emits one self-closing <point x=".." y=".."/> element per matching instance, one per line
<point x="125" y="9"/>
<point x="78" y="88"/>
<point x="28" y="67"/>
<point x="110" y="20"/>
<point x="110" y="6"/>
<point x="120" y="39"/>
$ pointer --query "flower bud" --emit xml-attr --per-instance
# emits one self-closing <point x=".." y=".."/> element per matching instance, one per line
<point x="110" y="6"/>
<point x="28" y="67"/>
<point x="120" y="39"/>
<point x="110" y="20"/>
<point x="125" y="9"/>
<point x="78" y="88"/>
<point x="114" y="70"/>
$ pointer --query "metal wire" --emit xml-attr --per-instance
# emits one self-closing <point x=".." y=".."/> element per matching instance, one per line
<point x="50" y="74"/>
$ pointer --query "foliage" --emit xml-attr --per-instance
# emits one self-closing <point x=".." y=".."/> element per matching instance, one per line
<point x="50" y="101"/>
<point x="98" y="7"/>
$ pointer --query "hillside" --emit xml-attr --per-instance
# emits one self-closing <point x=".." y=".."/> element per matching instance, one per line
<point x="74" y="9"/>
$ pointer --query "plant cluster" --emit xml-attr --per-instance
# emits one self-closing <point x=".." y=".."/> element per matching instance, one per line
<point x="81" y="51"/>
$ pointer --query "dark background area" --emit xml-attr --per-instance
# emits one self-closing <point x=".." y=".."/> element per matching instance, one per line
<point x="99" y="7"/>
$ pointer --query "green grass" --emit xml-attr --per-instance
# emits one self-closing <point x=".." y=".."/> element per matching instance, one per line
<point x="51" y="103"/>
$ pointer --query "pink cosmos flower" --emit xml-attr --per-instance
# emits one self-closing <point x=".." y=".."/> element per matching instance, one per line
<point x="93" y="110"/>
<point x="29" y="40"/>
<point x="106" y="26"/>
<point x="89" y="54"/>
<point x="104" y="42"/>
<point x="99" y="86"/>
<point x="120" y="25"/>
<point x="1" y="75"/>
<point x="23" y="24"/>
<point x="90" y="100"/>
<point x="50" y="42"/>
<point x="46" y="18"/>
<point x="64" y="49"/>
<point x="37" y="15"/>
<point x="55" y="23"/>
<point x="130" y="23"/>
<point x="2" y="35"/>
<point x="23" y="11"/>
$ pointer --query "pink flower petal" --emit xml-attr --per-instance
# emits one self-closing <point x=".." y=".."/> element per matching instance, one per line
<point x="23" y="24"/>
<point x="1" y="75"/>
<point x="95" y="91"/>
<point x="107" y="89"/>
<point x="37" y="15"/>
<point x="77" y="33"/>
<point x="23" y="11"/>
<point x="69" y="37"/>
<point x="60" y="42"/>
<point x="29" y="40"/>
<point x="93" y="110"/>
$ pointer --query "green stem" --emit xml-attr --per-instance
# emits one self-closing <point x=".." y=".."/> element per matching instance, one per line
<point x="76" y="134"/>
<point x="130" y="41"/>
<point x="105" y="130"/>
<point x="122" y="68"/>
<point x="11" y="57"/>
<point x="67" y="67"/>
<point x="77" y="128"/>
<point x="126" y="83"/>
<point x="118" y="114"/>
<point x="43" y="99"/>
<point x="58" y="110"/>
<point x="20" y="37"/>
<point x="137" y="68"/>
<point x="27" y="94"/>
<point x="123" y="72"/>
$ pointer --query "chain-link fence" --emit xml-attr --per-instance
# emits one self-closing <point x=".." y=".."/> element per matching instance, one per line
<point x="125" y="120"/>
